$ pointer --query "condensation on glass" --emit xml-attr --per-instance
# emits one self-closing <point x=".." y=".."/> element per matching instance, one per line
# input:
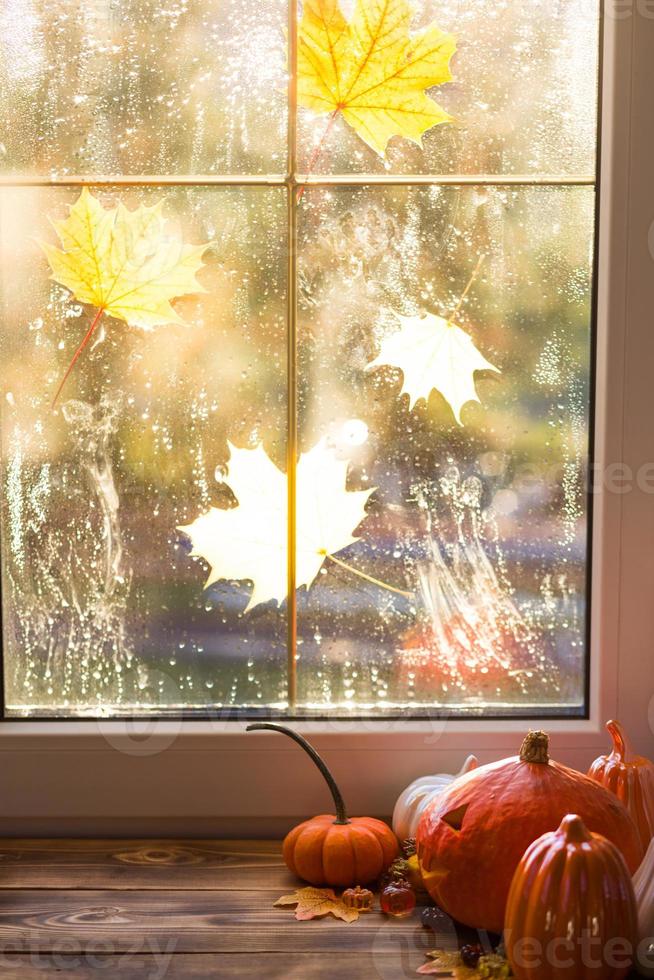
<point x="483" y="524"/>
<point x="455" y="573"/>
<point x="143" y="86"/>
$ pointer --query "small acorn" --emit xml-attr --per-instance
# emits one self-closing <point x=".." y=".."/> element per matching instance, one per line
<point x="398" y="870"/>
<point x="411" y="866"/>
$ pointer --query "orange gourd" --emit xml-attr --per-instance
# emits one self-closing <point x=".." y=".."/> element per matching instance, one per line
<point x="335" y="849"/>
<point x="630" y="777"/>
<point x="571" y="913"/>
<point x="471" y="839"/>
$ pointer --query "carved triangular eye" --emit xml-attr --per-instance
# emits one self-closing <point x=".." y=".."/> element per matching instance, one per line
<point x="455" y="817"/>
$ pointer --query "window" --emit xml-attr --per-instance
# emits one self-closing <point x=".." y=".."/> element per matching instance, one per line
<point x="414" y="329"/>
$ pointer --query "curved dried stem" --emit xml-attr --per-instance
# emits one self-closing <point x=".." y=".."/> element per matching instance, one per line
<point x="89" y="333"/>
<point x="475" y="273"/>
<point x="341" y="813"/>
<point x="370" y="578"/>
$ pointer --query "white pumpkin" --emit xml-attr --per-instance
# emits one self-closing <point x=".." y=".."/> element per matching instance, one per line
<point x="644" y="888"/>
<point x="415" y="799"/>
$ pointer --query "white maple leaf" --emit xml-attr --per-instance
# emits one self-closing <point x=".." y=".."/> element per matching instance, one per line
<point x="249" y="542"/>
<point x="432" y="352"/>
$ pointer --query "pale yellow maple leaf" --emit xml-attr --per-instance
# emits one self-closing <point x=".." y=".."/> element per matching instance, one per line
<point x="371" y="70"/>
<point x="313" y="903"/>
<point x="433" y="352"/>
<point x="127" y="264"/>
<point x="249" y="542"/>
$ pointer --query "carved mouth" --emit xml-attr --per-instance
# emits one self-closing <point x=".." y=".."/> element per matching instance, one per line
<point x="434" y="876"/>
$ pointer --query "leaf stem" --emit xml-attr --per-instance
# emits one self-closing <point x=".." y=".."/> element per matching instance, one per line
<point x="369" y="578"/>
<point x="89" y="333"/>
<point x="475" y="273"/>
<point x="317" y="152"/>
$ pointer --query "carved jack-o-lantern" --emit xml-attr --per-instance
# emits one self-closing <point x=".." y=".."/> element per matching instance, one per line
<point x="471" y="840"/>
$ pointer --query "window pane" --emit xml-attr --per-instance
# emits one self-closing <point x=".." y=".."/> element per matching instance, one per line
<point x="143" y="86"/>
<point x="482" y="523"/>
<point x="444" y="361"/>
<point x="523" y="96"/>
<point x="104" y="609"/>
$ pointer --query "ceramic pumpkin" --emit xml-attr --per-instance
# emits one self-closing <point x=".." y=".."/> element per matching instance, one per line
<point x="471" y="839"/>
<point x="572" y="895"/>
<point x="412" y="803"/>
<point x="334" y="849"/>
<point x="630" y="777"/>
<point x="644" y="888"/>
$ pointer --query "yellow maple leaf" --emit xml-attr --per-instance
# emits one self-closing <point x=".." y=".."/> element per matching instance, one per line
<point x="126" y="264"/>
<point x="371" y="70"/>
<point x="249" y="542"/>
<point x="442" y="963"/>
<point x="313" y="903"/>
<point x="433" y="352"/>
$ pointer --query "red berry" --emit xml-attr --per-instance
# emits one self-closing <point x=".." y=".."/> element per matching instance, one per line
<point x="471" y="955"/>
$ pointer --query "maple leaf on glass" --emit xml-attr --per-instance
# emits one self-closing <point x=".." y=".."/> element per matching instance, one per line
<point x="313" y="903"/>
<point x="371" y="70"/>
<point x="433" y="352"/>
<point x="249" y="541"/>
<point x="126" y="264"/>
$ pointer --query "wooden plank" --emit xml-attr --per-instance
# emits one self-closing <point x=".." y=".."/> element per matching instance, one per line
<point x="143" y="864"/>
<point x="154" y="922"/>
<point x="226" y="966"/>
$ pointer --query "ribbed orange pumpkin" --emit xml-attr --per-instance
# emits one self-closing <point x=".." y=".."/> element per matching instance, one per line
<point x="571" y="913"/>
<point x="630" y="777"/>
<point x="334" y="849"/>
<point x="471" y="840"/>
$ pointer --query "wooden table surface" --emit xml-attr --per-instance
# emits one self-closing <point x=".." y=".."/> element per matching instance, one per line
<point x="167" y="909"/>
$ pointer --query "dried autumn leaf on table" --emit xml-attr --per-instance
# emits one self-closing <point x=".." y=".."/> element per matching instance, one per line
<point x="443" y="964"/>
<point x="126" y="264"/>
<point x="490" y="967"/>
<point x="432" y="352"/>
<point x="313" y="903"/>
<point x="371" y="70"/>
<point x="250" y="541"/>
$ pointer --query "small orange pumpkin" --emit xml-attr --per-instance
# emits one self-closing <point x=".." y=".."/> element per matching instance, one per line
<point x="631" y="779"/>
<point x="358" y="898"/>
<point x="334" y="849"/>
<point x="571" y="913"/>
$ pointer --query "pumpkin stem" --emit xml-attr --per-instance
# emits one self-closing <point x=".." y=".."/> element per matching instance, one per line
<point x="534" y="748"/>
<point x="620" y="744"/>
<point x="341" y="813"/>
<point x="574" y="829"/>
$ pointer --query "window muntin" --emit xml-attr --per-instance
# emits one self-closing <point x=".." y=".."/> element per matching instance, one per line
<point x="500" y="500"/>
